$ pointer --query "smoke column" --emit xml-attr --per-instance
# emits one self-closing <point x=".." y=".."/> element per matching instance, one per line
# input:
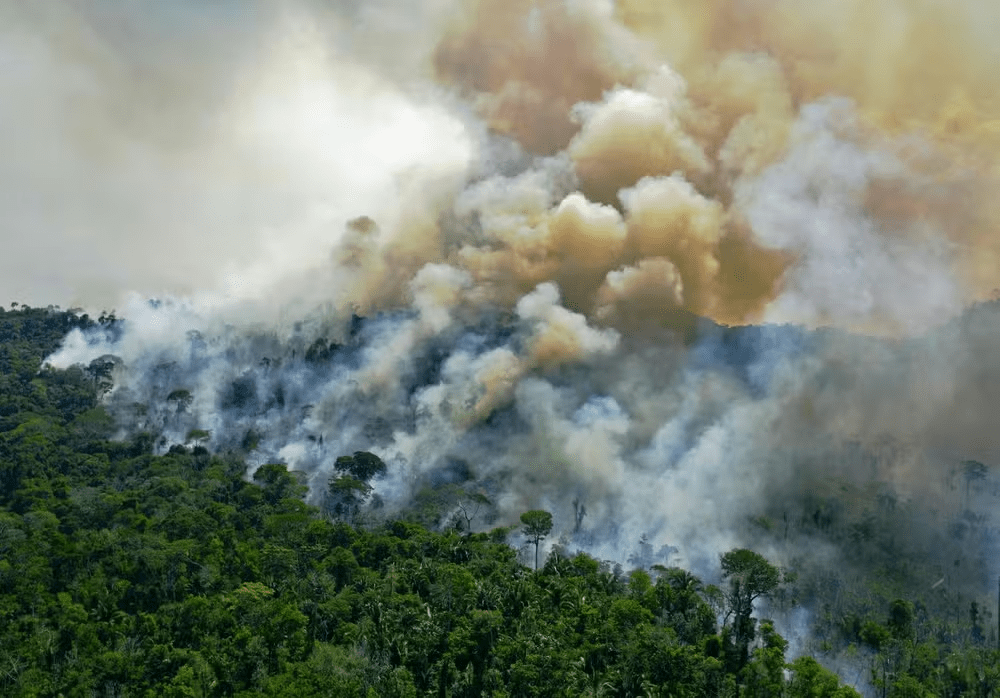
<point x="530" y="237"/>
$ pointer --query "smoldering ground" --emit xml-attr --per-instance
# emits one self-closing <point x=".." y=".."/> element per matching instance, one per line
<point x="559" y="221"/>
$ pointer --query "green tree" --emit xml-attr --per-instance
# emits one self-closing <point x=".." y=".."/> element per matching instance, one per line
<point x="537" y="525"/>
<point x="764" y="674"/>
<point x="361" y="466"/>
<point x="345" y="496"/>
<point x="901" y="620"/>
<point x="349" y="489"/>
<point x="750" y="577"/>
<point x="811" y="680"/>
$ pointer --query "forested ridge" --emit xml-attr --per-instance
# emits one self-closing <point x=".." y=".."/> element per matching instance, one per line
<point x="124" y="573"/>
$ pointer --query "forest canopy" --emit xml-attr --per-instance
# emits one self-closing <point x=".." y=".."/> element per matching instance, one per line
<point x="128" y="573"/>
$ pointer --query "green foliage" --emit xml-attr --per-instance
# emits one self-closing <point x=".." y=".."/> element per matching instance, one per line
<point x="198" y="435"/>
<point x="361" y="466"/>
<point x="764" y="675"/>
<point x="811" y="680"/>
<point x="125" y="573"/>
<point x="901" y="620"/>
<point x="750" y="576"/>
<point x="537" y="525"/>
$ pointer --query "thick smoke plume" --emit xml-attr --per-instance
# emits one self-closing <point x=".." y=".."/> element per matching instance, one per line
<point x="502" y="241"/>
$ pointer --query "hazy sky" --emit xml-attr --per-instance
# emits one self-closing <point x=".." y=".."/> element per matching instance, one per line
<point x="184" y="146"/>
<point x="742" y="161"/>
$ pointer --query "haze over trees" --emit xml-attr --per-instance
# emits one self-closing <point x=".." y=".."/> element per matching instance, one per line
<point x="126" y="573"/>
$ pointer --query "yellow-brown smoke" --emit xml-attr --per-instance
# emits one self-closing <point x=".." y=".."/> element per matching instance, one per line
<point x="667" y="113"/>
<point x="828" y="163"/>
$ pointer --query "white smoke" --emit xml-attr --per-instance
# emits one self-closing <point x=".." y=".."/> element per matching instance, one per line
<point x="190" y="150"/>
<point x="850" y="270"/>
<point x="502" y="232"/>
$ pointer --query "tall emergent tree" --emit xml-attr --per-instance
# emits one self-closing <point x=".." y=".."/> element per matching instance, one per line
<point x="537" y="525"/>
<point x="750" y="577"/>
<point x="350" y="489"/>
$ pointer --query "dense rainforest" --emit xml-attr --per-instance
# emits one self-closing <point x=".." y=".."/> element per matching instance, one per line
<point x="124" y="573"/>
